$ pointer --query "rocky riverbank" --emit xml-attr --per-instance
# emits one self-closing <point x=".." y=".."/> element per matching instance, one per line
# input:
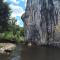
<point x="6" y="47"/>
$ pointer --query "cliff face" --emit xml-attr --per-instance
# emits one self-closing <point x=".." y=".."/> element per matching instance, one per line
<point x="41" y="19"/>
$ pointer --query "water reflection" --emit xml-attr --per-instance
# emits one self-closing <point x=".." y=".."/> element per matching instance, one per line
<point x="16" y="55"/>
<point x="32" y="53"/>
<point x="4" y="57"/>
<point x="40" y="54"/>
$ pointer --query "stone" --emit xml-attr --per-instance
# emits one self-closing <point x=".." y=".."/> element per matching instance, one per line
<point x="40" y="19"/>
<point x="7" y="47"/>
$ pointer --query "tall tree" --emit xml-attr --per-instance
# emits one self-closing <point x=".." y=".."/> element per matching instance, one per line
<point x="4" y="15"/>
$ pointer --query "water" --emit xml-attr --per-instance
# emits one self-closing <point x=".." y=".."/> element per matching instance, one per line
<point x="32" y="53"/>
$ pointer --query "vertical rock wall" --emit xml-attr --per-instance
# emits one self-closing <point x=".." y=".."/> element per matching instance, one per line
<point x="40" y="19"/>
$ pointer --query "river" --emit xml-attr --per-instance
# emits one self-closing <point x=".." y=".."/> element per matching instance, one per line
<point x="32" y="53"/>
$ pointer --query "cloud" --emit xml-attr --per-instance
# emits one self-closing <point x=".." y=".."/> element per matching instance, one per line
<point x="17" y="7"/>
<point x="24" y="0"/>
<point x="19" y="21"/>
<point x="12" y="1"/>
<point x="15" y="2"/>
<point x="17" y="10"/>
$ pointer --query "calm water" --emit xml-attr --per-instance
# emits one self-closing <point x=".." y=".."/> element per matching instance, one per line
<point x="32" y="53"/>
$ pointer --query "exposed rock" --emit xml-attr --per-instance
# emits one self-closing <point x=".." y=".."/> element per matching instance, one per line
<point x="7" y="47"/>
<point x="40" y="19"/>
<point x="29" y="44"/>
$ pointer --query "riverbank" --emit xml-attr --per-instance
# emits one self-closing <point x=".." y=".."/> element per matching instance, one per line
<point x="6" y="47"/>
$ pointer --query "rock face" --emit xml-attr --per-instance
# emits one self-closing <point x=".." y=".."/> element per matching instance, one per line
<point x="41" y="19"/>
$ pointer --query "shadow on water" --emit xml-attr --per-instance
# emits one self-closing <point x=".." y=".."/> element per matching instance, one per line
<point x="32" y="53"/>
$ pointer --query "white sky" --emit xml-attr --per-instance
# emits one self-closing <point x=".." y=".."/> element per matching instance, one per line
<point x="17" y="10"/>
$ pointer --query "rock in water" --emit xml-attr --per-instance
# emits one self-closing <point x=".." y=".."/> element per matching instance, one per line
<point x="40" y="19"/>
<point x="30" y="44"/>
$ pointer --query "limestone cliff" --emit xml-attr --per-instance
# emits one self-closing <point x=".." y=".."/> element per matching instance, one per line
<point x="40" y="20"/>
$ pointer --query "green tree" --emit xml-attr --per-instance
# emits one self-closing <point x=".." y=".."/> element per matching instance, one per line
<point x="12" y="25"/>
<point x="15" y="28"/>
<point x="21" y="31"/>
<point x="4" y="16"/>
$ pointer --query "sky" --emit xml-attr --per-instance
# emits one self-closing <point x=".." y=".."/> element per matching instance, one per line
<point x="18" y="8"/>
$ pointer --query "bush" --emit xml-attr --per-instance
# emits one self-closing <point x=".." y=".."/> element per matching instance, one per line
<point x="10" y="36"/>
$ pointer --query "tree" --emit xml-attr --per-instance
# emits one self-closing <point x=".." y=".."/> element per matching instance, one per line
<point x="4" y="16"/>
<point x="21" y="31"/>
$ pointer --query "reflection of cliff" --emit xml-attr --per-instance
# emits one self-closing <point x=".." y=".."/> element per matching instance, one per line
<point x="40" y="19"/>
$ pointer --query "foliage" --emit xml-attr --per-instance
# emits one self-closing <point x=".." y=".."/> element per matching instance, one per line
<point x="21" y="31"/>
<point x="10" y="36"/>
<point x="4" y="16"/>
<point x="14" y="32"/>
<point x="9" y="30"/>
